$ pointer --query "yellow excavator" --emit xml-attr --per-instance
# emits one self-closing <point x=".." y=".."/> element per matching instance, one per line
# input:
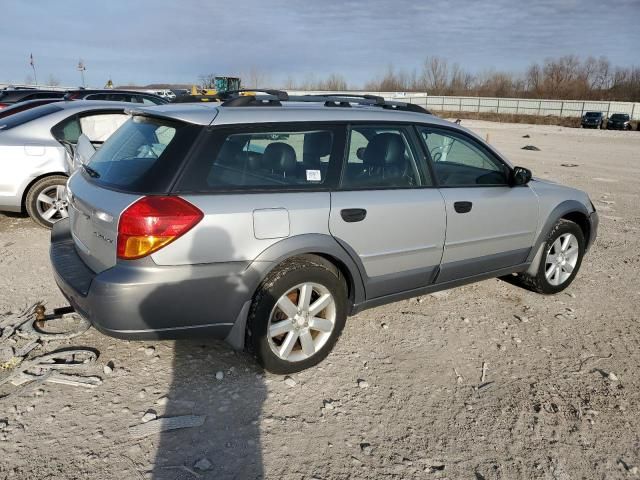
<point x="222" y="85"/>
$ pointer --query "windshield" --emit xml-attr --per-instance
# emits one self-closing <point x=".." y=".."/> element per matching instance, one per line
<point x="593" y="114"/>
<point x="142" y="156"/>
<point x="25" y="116"/>
<point x="620" y="116"/>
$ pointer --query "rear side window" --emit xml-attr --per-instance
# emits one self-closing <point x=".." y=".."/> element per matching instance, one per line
<point x="265" y="158"/>
<point x="142" y="156"/>
<point x="383" y="156"/>
<point x="27" y="115"/>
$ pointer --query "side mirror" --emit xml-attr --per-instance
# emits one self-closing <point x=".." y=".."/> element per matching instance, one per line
<point x="520" y="176"/>
<point x="360" y="153"/>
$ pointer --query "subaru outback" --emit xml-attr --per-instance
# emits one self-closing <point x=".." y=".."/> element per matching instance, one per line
<point x="267" y="220"/>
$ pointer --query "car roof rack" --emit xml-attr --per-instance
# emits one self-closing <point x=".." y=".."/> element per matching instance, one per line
<point x="271" y="98"/>
<point x="346" y="100"/>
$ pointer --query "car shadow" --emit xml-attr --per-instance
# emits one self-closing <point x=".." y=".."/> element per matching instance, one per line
<point x="211" y="380"/>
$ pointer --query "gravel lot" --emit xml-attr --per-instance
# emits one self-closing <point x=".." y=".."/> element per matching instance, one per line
<point x="401" y="396"/>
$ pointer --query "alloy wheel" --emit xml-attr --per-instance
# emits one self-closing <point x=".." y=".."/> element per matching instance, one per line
<point x="301" y="322"/>
<point x="561" y="259"/>
<point x="52" y="203"/>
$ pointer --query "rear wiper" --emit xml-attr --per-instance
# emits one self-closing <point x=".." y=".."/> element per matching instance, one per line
<point x="90" y="171"/>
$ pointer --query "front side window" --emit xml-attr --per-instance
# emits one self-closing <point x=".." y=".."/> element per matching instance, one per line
<point x="461" y="162"/>
<point x="382" y="157"/>
<point x="265" y="159"/>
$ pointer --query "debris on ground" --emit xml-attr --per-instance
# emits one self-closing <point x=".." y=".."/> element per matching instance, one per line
<point x="526" y="136"/>
<point x="203" y="465"/>
<point x="531" y="147"/>
<point x="26" y="331"/>
<point x="149" y="415"/>
<point x="569" y="165"/>
<point x="165" y="424"/>
<point x="363" y="383"/>
<point x="290" y="382"/>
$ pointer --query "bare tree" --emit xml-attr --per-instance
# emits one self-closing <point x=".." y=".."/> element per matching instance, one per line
<point x="207" y="81"/>
<point x="435" y="74"/>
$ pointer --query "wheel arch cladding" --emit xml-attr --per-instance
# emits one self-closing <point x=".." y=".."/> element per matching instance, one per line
<point x="323" y="246"/>
<point x="572" y="210"/>
<point x="582" y="220"/>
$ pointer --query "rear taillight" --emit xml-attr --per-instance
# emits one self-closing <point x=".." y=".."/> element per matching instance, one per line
<point x="3" y="105"/>
<point x="153" y="222"/>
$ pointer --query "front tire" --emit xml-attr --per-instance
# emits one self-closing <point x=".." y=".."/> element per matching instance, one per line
<point x="46" y="200"/>
<point x="561" y="259"/>
<point x="297" y="315"/>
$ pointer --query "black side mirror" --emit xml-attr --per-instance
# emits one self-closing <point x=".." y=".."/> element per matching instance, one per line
<point x="520" y="176"/>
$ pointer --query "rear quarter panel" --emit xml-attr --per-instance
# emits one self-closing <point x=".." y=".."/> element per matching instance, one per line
<point x="228" y="232"/>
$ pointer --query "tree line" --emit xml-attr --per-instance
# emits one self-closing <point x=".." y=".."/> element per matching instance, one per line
<point x="568" y="77"/>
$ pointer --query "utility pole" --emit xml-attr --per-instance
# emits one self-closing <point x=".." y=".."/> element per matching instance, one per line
<point x="33" y="65"/>
<point x="81" y="69"/>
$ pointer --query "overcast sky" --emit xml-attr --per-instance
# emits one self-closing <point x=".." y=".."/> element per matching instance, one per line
<point x="151" y="41"/>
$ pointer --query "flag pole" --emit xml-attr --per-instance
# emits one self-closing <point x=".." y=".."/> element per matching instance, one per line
<point x="33" y="66"/>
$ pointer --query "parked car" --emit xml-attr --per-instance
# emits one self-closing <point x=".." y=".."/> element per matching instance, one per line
<point x="26" y="105"/>
<point x="116" y="96"/>
<point x="164" y="93"/>
<point x="269" y="219"/>
<point x="592" y="120"/>
<point x="180" y="91"/>
<point x="11" y="97"/>
<point x="37" y="147"/>
<point x="619" y="121"/>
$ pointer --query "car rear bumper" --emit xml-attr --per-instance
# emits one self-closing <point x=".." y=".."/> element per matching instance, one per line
<point x="141" y="300"/>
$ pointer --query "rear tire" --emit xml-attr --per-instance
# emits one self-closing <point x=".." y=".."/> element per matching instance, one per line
<point x="561" y="259"/>
<point x="283" y="334"/>
<point x="46" y="200"/>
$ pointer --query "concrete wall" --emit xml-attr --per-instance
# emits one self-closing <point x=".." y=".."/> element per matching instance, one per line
<point x="559" y="108"/>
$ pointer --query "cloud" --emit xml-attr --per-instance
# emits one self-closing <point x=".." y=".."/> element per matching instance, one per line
<point x="163" y="40"/>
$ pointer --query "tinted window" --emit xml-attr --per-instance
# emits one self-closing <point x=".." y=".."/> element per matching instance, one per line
<point x="148" y="100"/>
<point x="142" y="156"/>
<point x="620" y="117"/>
<point x="265" y="159"/>
<point x="382" y="157"/>
<point x="459" y="161"/>
<point x="68" y="130"/>
<point x="28" y="115"/>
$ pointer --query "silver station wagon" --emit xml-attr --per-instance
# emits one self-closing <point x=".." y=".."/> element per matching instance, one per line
<point x="267" y="220"/>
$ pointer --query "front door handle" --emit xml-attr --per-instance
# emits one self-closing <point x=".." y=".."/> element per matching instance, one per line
<point x="351" y="215"/>
<point x="462" y="207"/>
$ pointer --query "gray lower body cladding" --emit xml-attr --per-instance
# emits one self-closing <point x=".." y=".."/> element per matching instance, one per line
<point x="144" y="302"/>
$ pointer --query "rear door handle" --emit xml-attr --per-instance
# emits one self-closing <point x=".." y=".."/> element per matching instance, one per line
<point x="351" y="215"/>
<point x="462" y="207"/>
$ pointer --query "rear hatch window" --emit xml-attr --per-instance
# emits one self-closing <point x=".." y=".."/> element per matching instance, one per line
<point x="142" y="156"/>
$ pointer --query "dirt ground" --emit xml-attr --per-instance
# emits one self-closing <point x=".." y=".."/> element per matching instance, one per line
<point x="403" y="394"/>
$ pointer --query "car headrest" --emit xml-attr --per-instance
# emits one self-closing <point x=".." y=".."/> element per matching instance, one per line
<point x="384" y="149"/>
<point x="316" y="145"/>
<point x="229" y="152"/>
<point x="280" y="157"/>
